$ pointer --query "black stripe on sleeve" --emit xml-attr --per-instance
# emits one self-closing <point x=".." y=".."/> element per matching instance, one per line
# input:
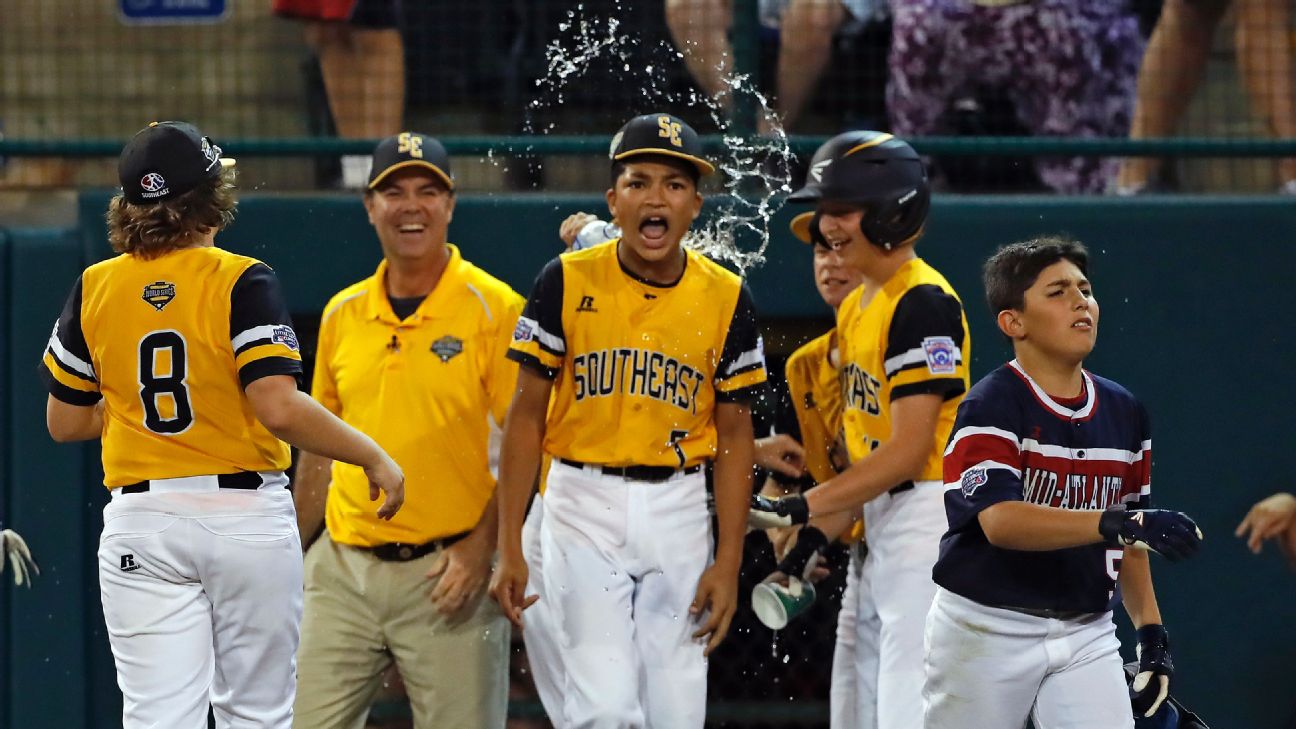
<point x="544" y="306"/>
<point x="64" y="368"/>
<point x="70" y="334"/>
<point x="947" y="387"/>
<point x="743" y="337"/>
<point x="63" y="393"/>
<point x="924" y="311"/>
<point x="257" y="300"/>
<point x="741" y="395"/>
<point x="267" y="366"/>
<point x="532" y="363"/>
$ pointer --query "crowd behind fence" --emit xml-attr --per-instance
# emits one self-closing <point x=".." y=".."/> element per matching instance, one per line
<point x="1214" y="71"/>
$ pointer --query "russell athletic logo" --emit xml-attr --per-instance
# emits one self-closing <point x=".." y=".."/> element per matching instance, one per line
<point x="128" y="563"/>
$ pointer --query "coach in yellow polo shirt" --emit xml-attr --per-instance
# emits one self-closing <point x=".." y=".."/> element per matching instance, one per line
<point x="413" y="356"/>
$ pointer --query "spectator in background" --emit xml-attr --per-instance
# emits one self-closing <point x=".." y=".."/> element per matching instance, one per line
<point x="1271" y="518"/>
<point x="700" y="28"/>
<point x="1067" y="67"/>
<point x="362" y="60"/>
<point x="1175" y="63"/>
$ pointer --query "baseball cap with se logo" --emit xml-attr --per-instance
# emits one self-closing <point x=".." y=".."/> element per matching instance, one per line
<point x="165" y="160"/>
<point x="410" y="149"/>
<point x="663" y="134"/>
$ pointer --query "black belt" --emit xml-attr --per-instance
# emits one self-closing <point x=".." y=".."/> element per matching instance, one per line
<point x="636" y="473"/>
<point x="247" y="480"/>
<point x="402" y="552"/>
<point x="901" y="488"/>
<point x="1051" y="613"/>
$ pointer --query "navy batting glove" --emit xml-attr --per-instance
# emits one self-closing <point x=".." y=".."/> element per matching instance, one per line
<point x="767" y="513"/>
<point x="804" y="556"/>
<point x="1171" y="534"/>
<point x="1151" y="685"/>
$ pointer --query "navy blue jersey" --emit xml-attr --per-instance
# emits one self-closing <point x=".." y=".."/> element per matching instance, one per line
<point x="1012" y="442"/>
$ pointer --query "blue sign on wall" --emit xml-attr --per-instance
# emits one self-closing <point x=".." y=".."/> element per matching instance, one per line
<point x="171" y="11"/>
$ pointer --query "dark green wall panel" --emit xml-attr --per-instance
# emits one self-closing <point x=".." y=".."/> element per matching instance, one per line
<point x="1196" y="319"/>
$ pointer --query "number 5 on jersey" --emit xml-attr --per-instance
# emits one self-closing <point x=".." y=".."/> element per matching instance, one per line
<point x="163" y="391"/>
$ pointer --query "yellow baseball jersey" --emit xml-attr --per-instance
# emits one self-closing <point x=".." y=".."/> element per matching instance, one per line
<point x="426" y="388"/>
<point x="815" y="394"/>
<point x="169" y="343"/>
<point x="911" y="338"/>
<point x="638" y="367"/>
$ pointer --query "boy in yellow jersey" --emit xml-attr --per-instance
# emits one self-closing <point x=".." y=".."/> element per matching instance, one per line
<point x="815" y="394"/>
<point x="648" y="353"/>
<point x="182" y="359"/>
<point x="904" y="349"/>
<point x="414" y="354"/>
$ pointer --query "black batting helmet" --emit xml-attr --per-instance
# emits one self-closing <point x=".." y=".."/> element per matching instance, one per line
<point x="875" y="170"/>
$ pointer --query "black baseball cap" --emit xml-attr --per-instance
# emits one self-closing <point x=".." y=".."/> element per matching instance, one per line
<point x="165" y="160"/>
<point x="663" y="134"/>
<point x="410" y="149"/>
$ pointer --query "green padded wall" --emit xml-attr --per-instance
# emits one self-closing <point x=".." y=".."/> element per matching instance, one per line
<point x="1195" y="319"/>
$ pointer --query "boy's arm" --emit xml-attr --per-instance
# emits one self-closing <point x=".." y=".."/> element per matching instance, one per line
<point x="310" y="494"/>
<point x="1151" y="684"/>
<point x="294" y="417"/>
<point x="899" y="459"/>
<point x="717" y="590"/>
<point x="1137" y="592"/>
<point x="1035" y="528"/>
<point x="68" y="422"/>
<point x="520" y="455"/>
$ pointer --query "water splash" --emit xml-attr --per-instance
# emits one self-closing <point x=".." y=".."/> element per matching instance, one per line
<point x="754" y="171"/>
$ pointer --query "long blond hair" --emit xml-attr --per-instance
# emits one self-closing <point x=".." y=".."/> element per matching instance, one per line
<point x="149" y="231"/>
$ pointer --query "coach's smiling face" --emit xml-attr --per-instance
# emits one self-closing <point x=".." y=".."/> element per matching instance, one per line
<point x="655" y="202"/>
<point x="411" y="212"/>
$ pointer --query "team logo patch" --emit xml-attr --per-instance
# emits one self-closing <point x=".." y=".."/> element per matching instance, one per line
<point x="817" y="169"/>
<point x="447" y="347"/>
<point x="159" y="294"/>
<point x="941" y="353"/>
<point x="211" y="152"/>
<point x="154" y="185"/>
<point x="285" y="335"/>
<point x="973" y="479"/>
<point x="523" y="332"/>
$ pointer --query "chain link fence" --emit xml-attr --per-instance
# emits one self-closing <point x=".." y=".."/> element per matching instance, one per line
<point x="73" y="71"/>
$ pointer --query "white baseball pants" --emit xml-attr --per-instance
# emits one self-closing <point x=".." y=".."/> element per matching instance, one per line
<point x="539" y="626"/>
<point x="621" y="562"/>
<point x="852" y="693"/>
<point x="894" y="591"/>
<point x="990" y="668"/>
<point x="202" y="597"/>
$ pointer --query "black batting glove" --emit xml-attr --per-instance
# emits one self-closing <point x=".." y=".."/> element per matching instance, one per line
<point x="1171" y="534"/>
<point x="767" y="513"/>
<point x="1151" y="685"/>
<point x="804" y="556"/>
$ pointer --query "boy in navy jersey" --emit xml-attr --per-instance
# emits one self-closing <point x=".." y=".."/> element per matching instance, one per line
<point x="1047" y="483"/>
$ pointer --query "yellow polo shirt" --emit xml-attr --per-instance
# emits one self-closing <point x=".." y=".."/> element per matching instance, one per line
<point x="426" y="388"/>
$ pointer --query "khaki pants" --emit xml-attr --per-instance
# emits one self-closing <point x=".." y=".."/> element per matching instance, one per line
<point x="362" y="614"/>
